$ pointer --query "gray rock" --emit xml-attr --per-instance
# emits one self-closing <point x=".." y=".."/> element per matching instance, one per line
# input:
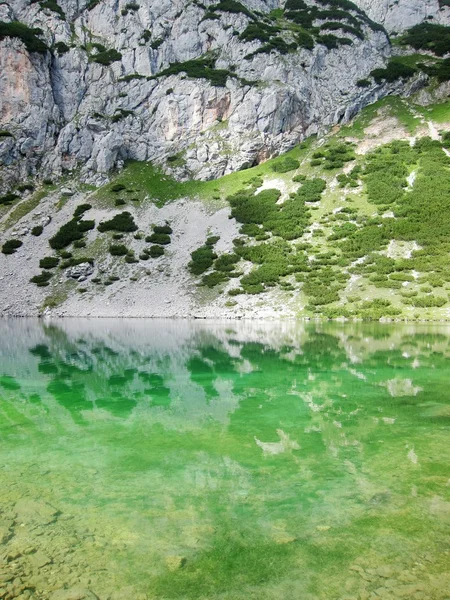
<point x="82" y="270"/>
<point x="68" y="112"/>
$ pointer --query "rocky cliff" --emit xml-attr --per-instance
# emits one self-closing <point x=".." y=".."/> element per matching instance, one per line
<point x="398" y="15"/>
<point x="206" y="89"/>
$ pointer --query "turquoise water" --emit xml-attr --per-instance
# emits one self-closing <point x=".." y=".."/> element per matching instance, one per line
<point x="161" y="460"/>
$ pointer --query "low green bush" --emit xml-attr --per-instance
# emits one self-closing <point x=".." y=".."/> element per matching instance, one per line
<point x="163" y="239"/>
<point x="9" y="198"/>
<point x="395" y="69"/>
<point x="43" y="279"/>
<point x="10" y="246"/>
<point x="81" y="209"/>
<point x="106" y="57"/>
<point x="285" y="165"/>
<point x="70" y="232"/>
<point x="156" y="251"/>
<point x="167" y="229"/>
<point x="118" y="250"/>
<point x="213" y="279"/>
<point x="123" y="222"/>
<point x="429" y="36"/>
<point x="37" y="230"/>
<point x="28" y="35"/>
<point x="202" y="259"/>
<point x="49" y="262"/>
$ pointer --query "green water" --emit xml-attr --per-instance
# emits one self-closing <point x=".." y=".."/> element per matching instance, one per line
<point x="199" y="460"/>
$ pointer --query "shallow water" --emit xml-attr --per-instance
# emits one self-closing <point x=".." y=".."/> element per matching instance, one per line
<point x="224" y="460"/>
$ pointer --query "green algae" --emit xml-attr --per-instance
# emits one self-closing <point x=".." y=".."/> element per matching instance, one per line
<point x="194" y="460"/>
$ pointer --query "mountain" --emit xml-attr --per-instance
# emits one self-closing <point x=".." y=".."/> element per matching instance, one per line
<point x="210" y="87"/>
<point x="225" y="160"/>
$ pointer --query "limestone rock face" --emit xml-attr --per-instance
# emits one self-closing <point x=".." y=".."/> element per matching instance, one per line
<point x="92" y="100"/>
<point x="399" y="15"/>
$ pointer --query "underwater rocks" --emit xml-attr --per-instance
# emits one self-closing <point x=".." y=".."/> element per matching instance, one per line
<point x="74" y="593"/>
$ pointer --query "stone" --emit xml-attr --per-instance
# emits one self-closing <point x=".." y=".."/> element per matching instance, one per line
<point x="5" y="534"/>
<point x="35" y="511"/>
<point x="67" y="192"/>
<point x="74" y="593"/>
<point x="39" y="559"/>
<point x="82" y="270"/>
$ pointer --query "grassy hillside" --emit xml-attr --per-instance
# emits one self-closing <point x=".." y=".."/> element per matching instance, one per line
<point x="354" y="225"/>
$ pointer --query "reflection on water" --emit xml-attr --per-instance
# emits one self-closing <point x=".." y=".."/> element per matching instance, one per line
<point x="208" y="460"/>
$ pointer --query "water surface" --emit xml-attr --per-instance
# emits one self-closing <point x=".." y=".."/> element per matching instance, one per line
<point x="225" y="461"/>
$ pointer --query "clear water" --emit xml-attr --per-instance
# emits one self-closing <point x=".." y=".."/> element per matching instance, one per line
<point x="224" y="460"/>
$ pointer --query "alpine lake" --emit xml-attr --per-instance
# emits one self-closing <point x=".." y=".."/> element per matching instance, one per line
<point x="224" y="460"/>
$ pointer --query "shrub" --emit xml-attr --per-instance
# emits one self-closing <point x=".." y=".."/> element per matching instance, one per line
<point x="8" y="198"/>
<point x="81" y="209"/>
<point x="70" y="232"/>
<point x="37" y="230"/>
<point x="199" y="68"/>
<point x="428" y="36"/>
<point x="299" y="178"/>
<point x="61" y="47"/>
<point x="43" y="279"/>
<point x="428" y="301"/>
<point x="25" y="187"/>
<point x="121" y="222"/>
<point x="167" y="229"/>
<point x="202" y="259"/>
<point x="28" y="35"/>
<point x="395" y="69"/>
<point x="10" y="246"/>
<point x="121" y="114"/>
<point x="226" y="262"/>
<point x="158" y="238"/>
<point x="156" y="251"/>
<point x="231" y="6"/>
<point x="49" y="262"/>
<point x="118" y="250"/>
<point x="285" y="165"/>
<point x="212" y="240"/>
<point x="106" y="57"/>
<point x="53" y="6"/>
<point x="118" y="187"/>
<point x="213" y="279"/>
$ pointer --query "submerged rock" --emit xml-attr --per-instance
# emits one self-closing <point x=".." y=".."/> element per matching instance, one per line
<point x="37" y="512"/>
<point x="74" y="593"/>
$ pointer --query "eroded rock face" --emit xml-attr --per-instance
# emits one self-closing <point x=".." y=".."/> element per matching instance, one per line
<point x="399" y="15"/>
<point x="64" y="109"/>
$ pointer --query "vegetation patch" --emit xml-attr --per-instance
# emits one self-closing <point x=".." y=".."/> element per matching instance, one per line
<point x="199" y="68"/>
<point x="10" y="246"/>
<point x="49" y="262"/>
<point x="29" y="36"/>
<point x="43" y="279"/>
<point x="123" y="222"/>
